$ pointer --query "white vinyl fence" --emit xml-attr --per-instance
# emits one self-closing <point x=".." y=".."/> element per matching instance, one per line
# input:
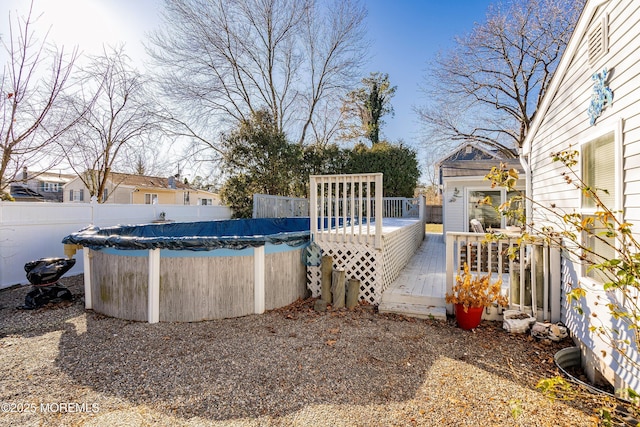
<point x="29" y="231"/>
<point x="268" y="206"/>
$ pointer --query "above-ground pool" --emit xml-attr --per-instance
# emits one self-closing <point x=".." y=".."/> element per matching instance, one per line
<point x="185" y="272"/>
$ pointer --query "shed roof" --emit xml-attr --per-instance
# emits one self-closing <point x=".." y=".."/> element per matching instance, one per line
<point x="461" y="168"/>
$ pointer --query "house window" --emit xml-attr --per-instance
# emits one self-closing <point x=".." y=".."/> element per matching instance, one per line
<point x="482" y="206"/>
<point x="76" y="195"/>
<point x="105" y="195"/>
<point x="599" y="172"/>
<point x="50" y="187"/>
<point x="205" y="202"/>
<point x="151" y="199"/>
<point x="185" y="198"/>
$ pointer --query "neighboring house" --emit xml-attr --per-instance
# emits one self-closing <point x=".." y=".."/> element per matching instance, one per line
<point x="607" y="37"/>
<point x="462" y="175"/>
<point x="39" y="186"/>
<point x="141" y="189"/>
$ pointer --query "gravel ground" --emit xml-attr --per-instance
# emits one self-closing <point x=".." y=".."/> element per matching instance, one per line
<point x="64" y="366"/>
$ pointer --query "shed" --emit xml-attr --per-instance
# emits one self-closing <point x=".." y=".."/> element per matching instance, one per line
<point x="464" y="188"/>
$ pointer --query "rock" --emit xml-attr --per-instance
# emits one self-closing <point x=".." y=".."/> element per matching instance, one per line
<point x="320" y="306"/>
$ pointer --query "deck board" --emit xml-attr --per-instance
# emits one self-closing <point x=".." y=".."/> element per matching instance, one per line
<point x="421" y="282"/>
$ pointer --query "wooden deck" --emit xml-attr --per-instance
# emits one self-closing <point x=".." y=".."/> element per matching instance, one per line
<point x="420" y="288"/>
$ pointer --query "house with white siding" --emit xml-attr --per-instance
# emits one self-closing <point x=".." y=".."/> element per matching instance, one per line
<point x="593" y="106"/>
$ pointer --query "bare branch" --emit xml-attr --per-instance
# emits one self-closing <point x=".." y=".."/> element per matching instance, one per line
<point x="119" y="121"/>
<point x="497" y="74"/>
<point x="221" y="61"/>
<point x="31" y="86"/>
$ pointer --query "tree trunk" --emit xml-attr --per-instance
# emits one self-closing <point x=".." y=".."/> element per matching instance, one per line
<point x="338" y="288"/>
<point x="353" y="293"/>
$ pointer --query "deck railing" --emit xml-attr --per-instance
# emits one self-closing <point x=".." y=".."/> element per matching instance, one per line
<point x="401" y="207"/>
<point x="530" y="271"/>
<point x="347" y="208"/>
<point x="268" y="206"/>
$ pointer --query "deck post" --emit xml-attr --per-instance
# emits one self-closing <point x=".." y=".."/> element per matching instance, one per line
<point x="449" y="275"/>
<point x="338" y="287"/>
<point x="259" y="284"/>
<point x="555" y="284"/>
<point x="86" y="260"/>
<point x="313" y="206"/>
<point x="154" y="286"/>
<point x="378" y="210"/>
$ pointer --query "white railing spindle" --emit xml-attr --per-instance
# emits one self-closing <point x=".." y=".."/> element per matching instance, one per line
<point x="523" y="269"/>
<point x="338" y="194"/>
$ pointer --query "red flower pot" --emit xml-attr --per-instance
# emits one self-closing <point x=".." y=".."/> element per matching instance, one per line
<point x="469" y="320"/>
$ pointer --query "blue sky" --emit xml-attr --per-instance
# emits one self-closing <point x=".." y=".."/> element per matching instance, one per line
<point x="405" y="35"/>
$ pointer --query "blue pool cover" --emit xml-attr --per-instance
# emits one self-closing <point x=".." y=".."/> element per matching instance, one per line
<point x="196" y="236"/>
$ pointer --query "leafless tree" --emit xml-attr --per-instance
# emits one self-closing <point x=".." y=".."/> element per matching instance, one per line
<point x="221" y="61"/>
<point x="34" y="76"/>
<point x="488" y="87"/>
<point x="120" y="121"/>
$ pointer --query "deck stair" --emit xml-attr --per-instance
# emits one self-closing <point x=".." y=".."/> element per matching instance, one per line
<point x="420" y="288"/>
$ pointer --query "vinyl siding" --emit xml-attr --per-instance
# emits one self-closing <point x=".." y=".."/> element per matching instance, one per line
<point x="566" y="122"/>
<point x="565" y="125"/>
<point x="120" y="195"/>
<point x="453" y="206"/>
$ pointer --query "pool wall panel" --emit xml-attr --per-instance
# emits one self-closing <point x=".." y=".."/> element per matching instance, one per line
<point x="119" y="286"/>
<point x="285" y="278"/>
<point x="201" y="287"/>
<point x="194" y="289"/>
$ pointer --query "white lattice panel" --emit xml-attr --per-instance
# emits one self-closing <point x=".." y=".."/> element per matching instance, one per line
<point x="375" y="269"/>
<point x="360" y="262"/>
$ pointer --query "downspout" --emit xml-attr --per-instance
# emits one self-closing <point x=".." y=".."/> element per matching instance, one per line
<point x="528" y="205"/>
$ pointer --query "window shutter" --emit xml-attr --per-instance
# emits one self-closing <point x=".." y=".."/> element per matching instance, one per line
<point x="81" y="195"/>
<point x="71" y="195"/>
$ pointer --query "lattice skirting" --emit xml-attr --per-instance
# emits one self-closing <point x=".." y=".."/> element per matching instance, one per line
<point x="375" y="269"/>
